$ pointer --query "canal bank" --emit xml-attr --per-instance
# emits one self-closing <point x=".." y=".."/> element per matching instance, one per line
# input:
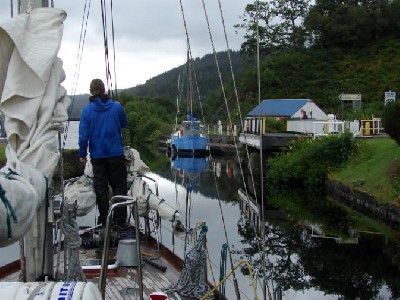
<point x="365" y="203"/>
<point x="369" y="181"/>
<point x="366" y="181"/>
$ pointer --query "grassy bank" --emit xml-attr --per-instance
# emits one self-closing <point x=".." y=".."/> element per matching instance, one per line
<point x="375" y="170"/>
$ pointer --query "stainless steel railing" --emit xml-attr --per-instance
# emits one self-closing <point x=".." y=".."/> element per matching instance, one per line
<point x="104" y="258"/>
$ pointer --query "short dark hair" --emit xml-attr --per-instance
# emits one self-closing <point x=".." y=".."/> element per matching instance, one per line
<point x="97" y="87"/>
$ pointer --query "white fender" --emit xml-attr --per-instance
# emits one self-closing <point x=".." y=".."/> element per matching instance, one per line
<point x="49" y="291"/>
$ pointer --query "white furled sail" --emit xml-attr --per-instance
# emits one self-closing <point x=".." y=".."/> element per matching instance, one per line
<point x="33" y="105"/>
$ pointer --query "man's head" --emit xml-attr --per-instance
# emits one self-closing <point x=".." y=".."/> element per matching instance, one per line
<point x="97" y="87"/>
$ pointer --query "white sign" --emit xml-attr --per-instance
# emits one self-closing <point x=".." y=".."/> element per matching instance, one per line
<point x="390" y="97"/>
<point x="350" y="97"/>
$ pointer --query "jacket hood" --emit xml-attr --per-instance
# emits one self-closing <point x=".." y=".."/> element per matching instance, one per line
<point x="97" y="104"/>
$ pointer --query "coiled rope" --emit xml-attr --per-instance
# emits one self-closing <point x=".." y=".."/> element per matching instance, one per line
<point x="193" y="279"/>
<point x="72" y="243"/>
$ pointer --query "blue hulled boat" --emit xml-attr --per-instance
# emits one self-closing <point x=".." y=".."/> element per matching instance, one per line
<point x="190" y="138"/>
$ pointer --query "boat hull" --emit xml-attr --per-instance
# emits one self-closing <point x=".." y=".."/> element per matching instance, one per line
<point x="189" y="145"/>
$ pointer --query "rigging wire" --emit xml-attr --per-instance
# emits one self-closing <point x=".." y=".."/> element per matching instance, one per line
<point x="109" y="76"/>
<point x="105" y="39"/>
<point x="82" y="38"/>
<point x="216" y="184"/>
<point x="177" y="103"/>
<point x="190" y="61"/>
<point x="240" y="116"/>
<point x="113" y="44"/>
<point x="261" y="157"/>
<point x="239" y="110"/>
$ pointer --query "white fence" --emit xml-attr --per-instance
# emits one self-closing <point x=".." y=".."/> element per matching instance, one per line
<point x="362" y="128"/>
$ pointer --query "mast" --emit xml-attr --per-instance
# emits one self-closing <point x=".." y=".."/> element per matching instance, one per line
<point x="39" y="239"/>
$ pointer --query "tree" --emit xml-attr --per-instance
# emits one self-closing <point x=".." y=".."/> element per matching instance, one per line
<point x="291" y="12"/>
<point x="279" y="25"/>
<point x="351" y="23"/>
<point x="390" y="120"/>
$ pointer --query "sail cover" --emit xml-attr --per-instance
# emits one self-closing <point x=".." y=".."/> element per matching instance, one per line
<point x="34" y="106"/>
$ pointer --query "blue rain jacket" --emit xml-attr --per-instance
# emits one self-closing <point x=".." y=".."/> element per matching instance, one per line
<point x="100" y="128"/>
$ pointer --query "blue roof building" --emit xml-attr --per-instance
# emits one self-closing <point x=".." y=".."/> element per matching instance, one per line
<point x="289" y="108"/>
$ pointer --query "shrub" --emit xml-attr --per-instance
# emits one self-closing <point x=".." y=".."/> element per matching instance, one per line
<point x="390" y="120"/>
<point x="307" y="162"/>
<point x="275" y="125"/>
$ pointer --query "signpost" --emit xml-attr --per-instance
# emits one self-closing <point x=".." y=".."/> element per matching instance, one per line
<point x="350" y="97"/>
<point x="390" y="97"/>
<point x="356" y="98"/>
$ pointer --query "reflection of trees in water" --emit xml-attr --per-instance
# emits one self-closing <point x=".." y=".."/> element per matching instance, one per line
<point x="353" y="271"/>
<point x="283" y="265"/>
<point x="297" y="261"/>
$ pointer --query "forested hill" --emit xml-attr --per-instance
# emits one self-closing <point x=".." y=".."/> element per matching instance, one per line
<point x="166" y="84"/>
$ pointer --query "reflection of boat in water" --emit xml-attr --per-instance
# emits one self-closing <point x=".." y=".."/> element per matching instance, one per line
<point x="189" y="169"/>
<point x="191" y="164"/>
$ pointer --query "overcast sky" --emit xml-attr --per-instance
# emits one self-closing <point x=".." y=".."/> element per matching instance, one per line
<point x="149" y="36"/>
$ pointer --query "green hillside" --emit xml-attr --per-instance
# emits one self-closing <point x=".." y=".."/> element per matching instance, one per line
<point x="165" y="84"/>
<point x="321" y="75"/>
<point x="318" y="74"/>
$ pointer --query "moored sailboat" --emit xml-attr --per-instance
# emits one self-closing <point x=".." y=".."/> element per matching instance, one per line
<point x="190" y="138"/>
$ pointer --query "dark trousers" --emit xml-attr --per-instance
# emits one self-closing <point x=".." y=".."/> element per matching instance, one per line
<point x="110" y="171"/>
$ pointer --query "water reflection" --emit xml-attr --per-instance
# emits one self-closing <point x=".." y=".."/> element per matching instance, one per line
<point x="187" y="170"/>
<point x="318" y="246"/>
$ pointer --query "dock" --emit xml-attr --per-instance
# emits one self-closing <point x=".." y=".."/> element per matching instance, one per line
<point x="270" y="141"/>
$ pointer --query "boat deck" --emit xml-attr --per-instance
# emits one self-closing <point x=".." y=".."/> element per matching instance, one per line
<point x="121" y="282"/>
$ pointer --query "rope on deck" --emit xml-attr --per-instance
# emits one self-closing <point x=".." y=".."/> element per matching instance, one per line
<point x="193" y="279"/>
<point x="72" y="242"/>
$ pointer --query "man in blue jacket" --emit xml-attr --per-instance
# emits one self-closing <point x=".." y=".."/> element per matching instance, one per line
<point x="100" y="129"/>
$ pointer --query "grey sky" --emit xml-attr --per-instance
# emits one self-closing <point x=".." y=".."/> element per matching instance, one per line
<point x="150" y="36"/>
